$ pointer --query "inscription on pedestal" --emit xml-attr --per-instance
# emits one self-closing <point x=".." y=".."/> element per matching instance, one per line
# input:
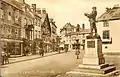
<point x="91" y="44"/>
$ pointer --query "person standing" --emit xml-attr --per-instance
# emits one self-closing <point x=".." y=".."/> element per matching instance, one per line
<point x="92" y="19"/>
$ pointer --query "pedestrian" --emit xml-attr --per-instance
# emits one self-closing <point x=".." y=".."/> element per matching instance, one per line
<point x="6" y="58"/>
<point x="26" y="50"/>
<point x="77" y="51"/>
<point x="42" y="52"/>
<point x="3" y="56"/>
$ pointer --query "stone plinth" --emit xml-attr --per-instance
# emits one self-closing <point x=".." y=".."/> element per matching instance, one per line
<point x="93" y="52"/>
<point x="93" y="61"/>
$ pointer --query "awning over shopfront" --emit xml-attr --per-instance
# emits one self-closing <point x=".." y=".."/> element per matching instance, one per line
<point x="10" y="40"/>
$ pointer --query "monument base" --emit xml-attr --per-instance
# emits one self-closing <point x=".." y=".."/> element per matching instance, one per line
<point x="94" y="70"/>
<point x="93" y="61"/>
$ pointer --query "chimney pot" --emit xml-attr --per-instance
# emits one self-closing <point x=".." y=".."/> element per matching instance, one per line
<point x="43" y="10"/>
<point x="83" y="26"/>
<point x="38" y="10"/>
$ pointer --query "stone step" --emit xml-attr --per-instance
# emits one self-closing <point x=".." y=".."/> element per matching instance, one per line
<point x="109" y="69"/>
<point x="104" y="65"/>
<point x="115" y="72"/>
<point x="112" y="64"/>
<point x="89" y="70"/>
<point x="105" y="70"/>
<point x="93" y="66"/>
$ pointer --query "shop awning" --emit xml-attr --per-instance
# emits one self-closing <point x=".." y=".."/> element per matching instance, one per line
<point x="10" y="40"/>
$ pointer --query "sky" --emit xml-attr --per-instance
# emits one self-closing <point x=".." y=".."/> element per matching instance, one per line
<point x="64" y="11"/>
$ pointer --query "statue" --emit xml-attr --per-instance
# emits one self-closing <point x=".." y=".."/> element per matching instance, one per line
<point x="92" y="20"/>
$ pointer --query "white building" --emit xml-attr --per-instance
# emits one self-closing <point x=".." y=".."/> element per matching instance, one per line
<point x="70" y="34"/>
<point x="109" y="29"/>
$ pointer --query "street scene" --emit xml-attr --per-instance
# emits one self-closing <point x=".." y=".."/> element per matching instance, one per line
<point x="57" y="38"/>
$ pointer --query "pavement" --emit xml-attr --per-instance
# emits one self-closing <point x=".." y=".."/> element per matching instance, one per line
<point x="29" y="57"/>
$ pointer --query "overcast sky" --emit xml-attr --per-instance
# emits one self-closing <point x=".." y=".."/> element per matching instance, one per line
<point x="63" y="11"/>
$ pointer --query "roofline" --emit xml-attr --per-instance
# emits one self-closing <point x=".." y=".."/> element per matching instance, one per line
<point x="108" y="20"/>
<point x="12" y="5"/>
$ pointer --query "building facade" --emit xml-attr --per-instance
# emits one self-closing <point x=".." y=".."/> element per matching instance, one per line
<point x="46" y="30"/>
<point x="108" y="28"/>
<point x="53" y="34"/>
<point x="11" y="18"/>
<point x="24" y="25"/>
<point x="71" y="34"/>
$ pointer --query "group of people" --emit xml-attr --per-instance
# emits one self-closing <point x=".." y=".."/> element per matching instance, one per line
<point x="4" y="57"/>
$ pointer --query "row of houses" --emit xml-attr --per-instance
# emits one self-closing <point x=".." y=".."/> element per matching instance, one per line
<point x="24" y="25"/>
<point x="108" y="26"/>
<point x="71" y="34"/>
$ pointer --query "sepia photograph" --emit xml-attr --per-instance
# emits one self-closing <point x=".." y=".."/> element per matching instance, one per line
<point x="59" y="38"/>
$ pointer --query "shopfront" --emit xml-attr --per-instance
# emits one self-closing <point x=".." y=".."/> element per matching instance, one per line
<point x="14" y="47"/>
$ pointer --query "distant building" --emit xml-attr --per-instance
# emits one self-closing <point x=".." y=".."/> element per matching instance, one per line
<point x="67" y="28"/>
<point x="53" y="34"/>
<point x="46" y="30"/>
<point x="109" y="29"/>
<point x="70" y="34"/>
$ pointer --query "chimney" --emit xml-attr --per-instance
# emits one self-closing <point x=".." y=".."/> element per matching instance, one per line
<point x="38" y="10"/>
<point x="43" y="11"/>
<point x="83" y="26"/>
<point x="34" y="7"/>
<point x="21" y="1"/>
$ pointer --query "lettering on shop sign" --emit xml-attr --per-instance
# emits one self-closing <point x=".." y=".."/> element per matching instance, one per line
<point x="91" y="44"/>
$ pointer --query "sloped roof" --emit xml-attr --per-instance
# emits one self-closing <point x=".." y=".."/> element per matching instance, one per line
<point x="111" y="14"/>
<point x="14" y="3"/>
<point x="68" y="25"/>
<point x="43" y="17"/>
<point x="82" y="31"/>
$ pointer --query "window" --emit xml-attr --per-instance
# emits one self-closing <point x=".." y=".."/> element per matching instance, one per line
<point x="9" y="16"/>
<point x="36" y="33"/>
<point x="83" y="41"/>
<point x="25" y="21"/>
<point x="106" y="24"/>
<point x="2" y="14"/>
<point x="106" y="34"/>
<point x="39" y="34"/>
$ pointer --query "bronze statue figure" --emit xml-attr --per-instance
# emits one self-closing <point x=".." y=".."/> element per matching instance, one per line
<point x="92" y="20"/>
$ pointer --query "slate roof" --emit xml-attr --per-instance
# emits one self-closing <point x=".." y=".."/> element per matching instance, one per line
<point x="14" y="3"/>
<point x="68" y="25"/>
<point x="110" y="14"/>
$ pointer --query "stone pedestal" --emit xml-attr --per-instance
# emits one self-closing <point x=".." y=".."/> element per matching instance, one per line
<point x="93" y="61"/>
<point x="93" y="52"/>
